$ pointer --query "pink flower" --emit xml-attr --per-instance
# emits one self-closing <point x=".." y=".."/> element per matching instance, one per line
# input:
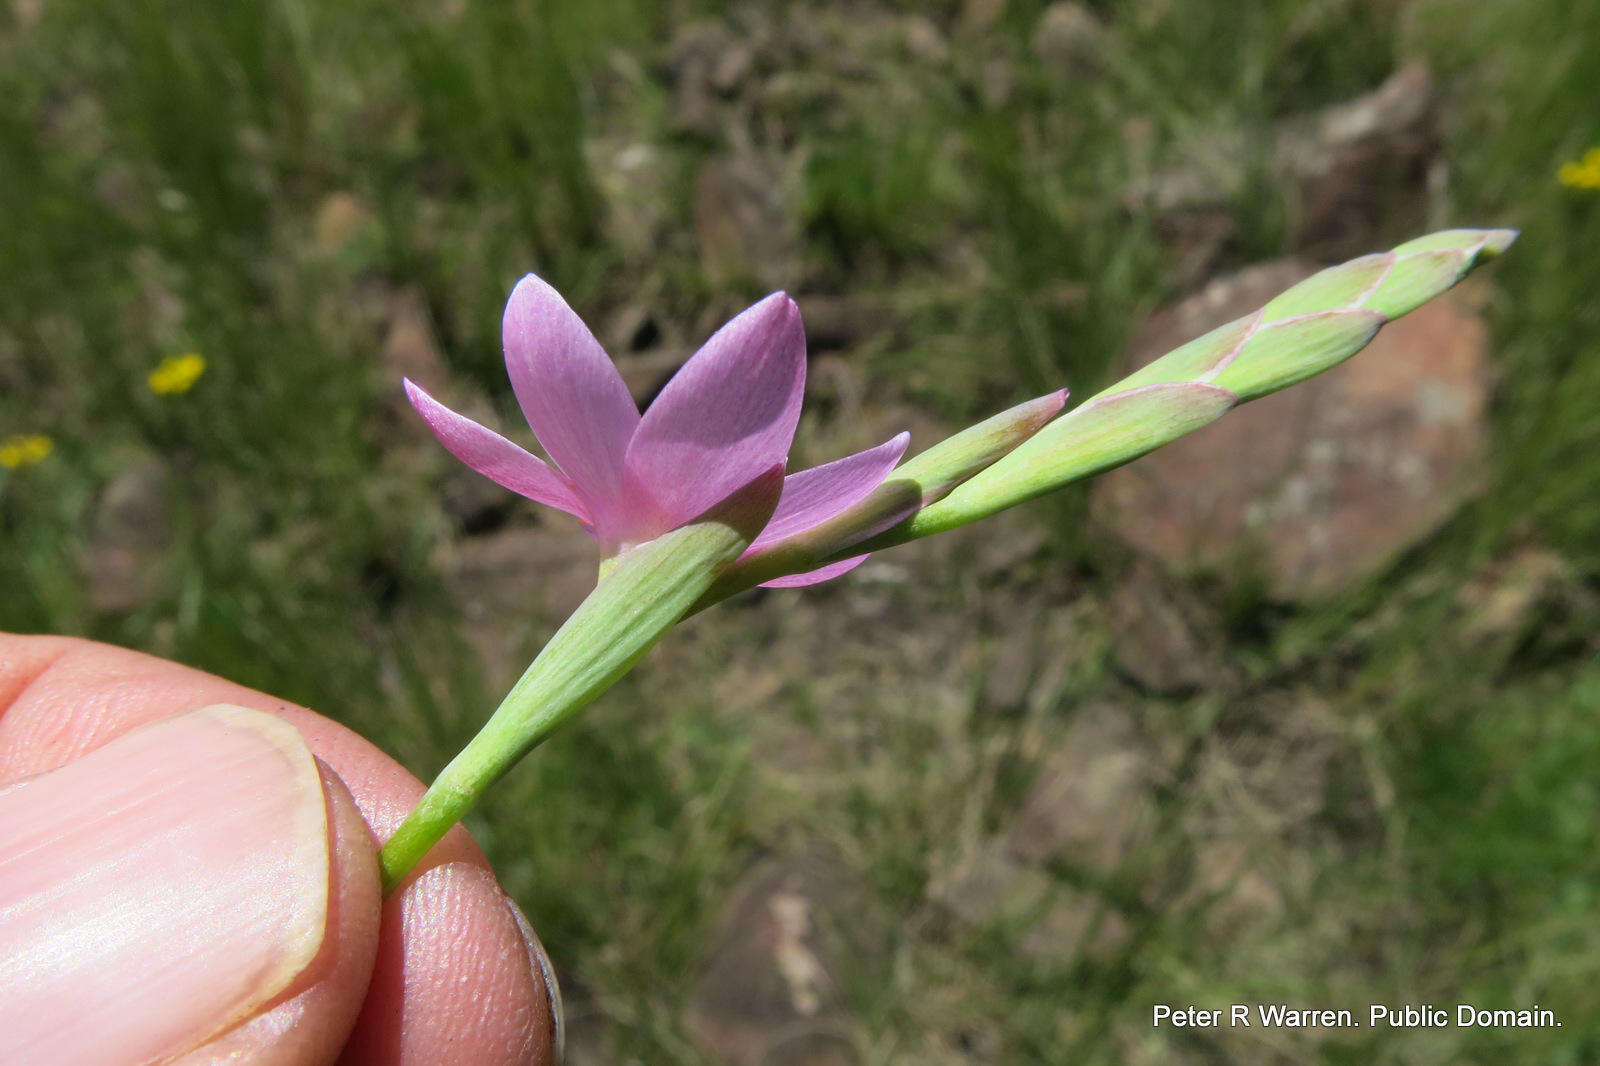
<point x="726" y="417"/>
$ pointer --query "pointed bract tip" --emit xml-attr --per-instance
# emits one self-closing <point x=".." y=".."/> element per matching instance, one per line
<point x="1497" y="241"/>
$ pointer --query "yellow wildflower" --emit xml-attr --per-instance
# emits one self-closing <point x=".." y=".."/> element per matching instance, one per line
<point x="1581" y="173"/>
<point x="177" y="373"/>
<point x="25" y="450"/>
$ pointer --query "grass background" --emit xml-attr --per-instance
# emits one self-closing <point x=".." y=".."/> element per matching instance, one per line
<point x="168" y="169"/>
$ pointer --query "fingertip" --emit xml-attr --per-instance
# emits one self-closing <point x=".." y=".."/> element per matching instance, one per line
<point x="161" y="889"/>
<point x="311" y="1020"/>
<point x="23" y="659"/>
<point x="455" y="979"/>
<point x="543" y="972"/>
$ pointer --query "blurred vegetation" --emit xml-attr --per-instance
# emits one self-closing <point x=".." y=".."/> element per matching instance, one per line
<point x="173" y="174"/>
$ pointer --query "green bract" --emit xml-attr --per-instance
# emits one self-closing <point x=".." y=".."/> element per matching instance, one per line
<point x="1106" y="431"/>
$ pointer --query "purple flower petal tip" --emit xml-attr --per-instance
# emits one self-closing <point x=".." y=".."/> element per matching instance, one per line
<point x="573" y="397"/>
<point x="728" y="414"/>
<point x="493" y="456"/>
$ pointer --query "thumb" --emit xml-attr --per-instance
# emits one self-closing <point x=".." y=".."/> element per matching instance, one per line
<point x="200" y="888"/>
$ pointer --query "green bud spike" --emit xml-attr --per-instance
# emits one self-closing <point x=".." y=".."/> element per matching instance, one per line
<point x="1307" y="329"/>
<point x="1340" y="286"/>
<point x="1279" y="354"/>
<point x="645" y="592"/>
<point x="1481" y="245"/>
<point x="1414" y="280"/>
<point x="1192" y="361"/>
<point x="1099" y="435"/>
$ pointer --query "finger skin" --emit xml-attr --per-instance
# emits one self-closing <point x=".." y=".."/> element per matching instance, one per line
<point x="309" y="1022"/>
<point x="61" y="697"/>
<point x="468" y="955"/>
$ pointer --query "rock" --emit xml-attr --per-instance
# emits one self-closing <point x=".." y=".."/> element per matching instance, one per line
<point x="1194" y="239"/>
<point x="743" y="221"/>
<point x="1348" y="169"/>
<point x="924" y="40"/>
<point x="1164" y="639"/>
<point x="27" y="13"/>
<point x="1069" y="39"/>
<point x="767" y="992"/>
<point x="340" y="216"/>
<point x="1356" y="163"/>
<point x="410" y="348"/>
<point x="1054" y="922"/>
<point x="845" y="321"/>
<point x="1092" y="801"/>
<point x="730" y="68"/>
<point x="1256" y="812"/>
<point x="695" y="58"/>
<point x="125" y="563"/>
<point x="512" y="580"/>
<point x="1504" y="600"/>
<point x="1324" y="482"/>
<point x="981" y="14"/>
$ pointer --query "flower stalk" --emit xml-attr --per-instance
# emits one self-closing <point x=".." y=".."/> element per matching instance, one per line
<point x="642" y="597"/>
<point x="819" y="523"/>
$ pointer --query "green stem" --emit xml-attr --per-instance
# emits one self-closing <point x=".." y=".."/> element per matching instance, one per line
<point x="510" y="733"/>
<point x="642" y="594"/>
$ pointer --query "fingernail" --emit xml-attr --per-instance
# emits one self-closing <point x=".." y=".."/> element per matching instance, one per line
<point x="539" y="963"/>
<point x="159" y="889"/>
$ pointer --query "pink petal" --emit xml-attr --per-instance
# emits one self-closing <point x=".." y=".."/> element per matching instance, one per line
<point x="572" y="395"/>
<point x="726" y="416"/>
<point x="816" y="495"/>
<point x="812" y="577"/>
<point x="493" y="456"/>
